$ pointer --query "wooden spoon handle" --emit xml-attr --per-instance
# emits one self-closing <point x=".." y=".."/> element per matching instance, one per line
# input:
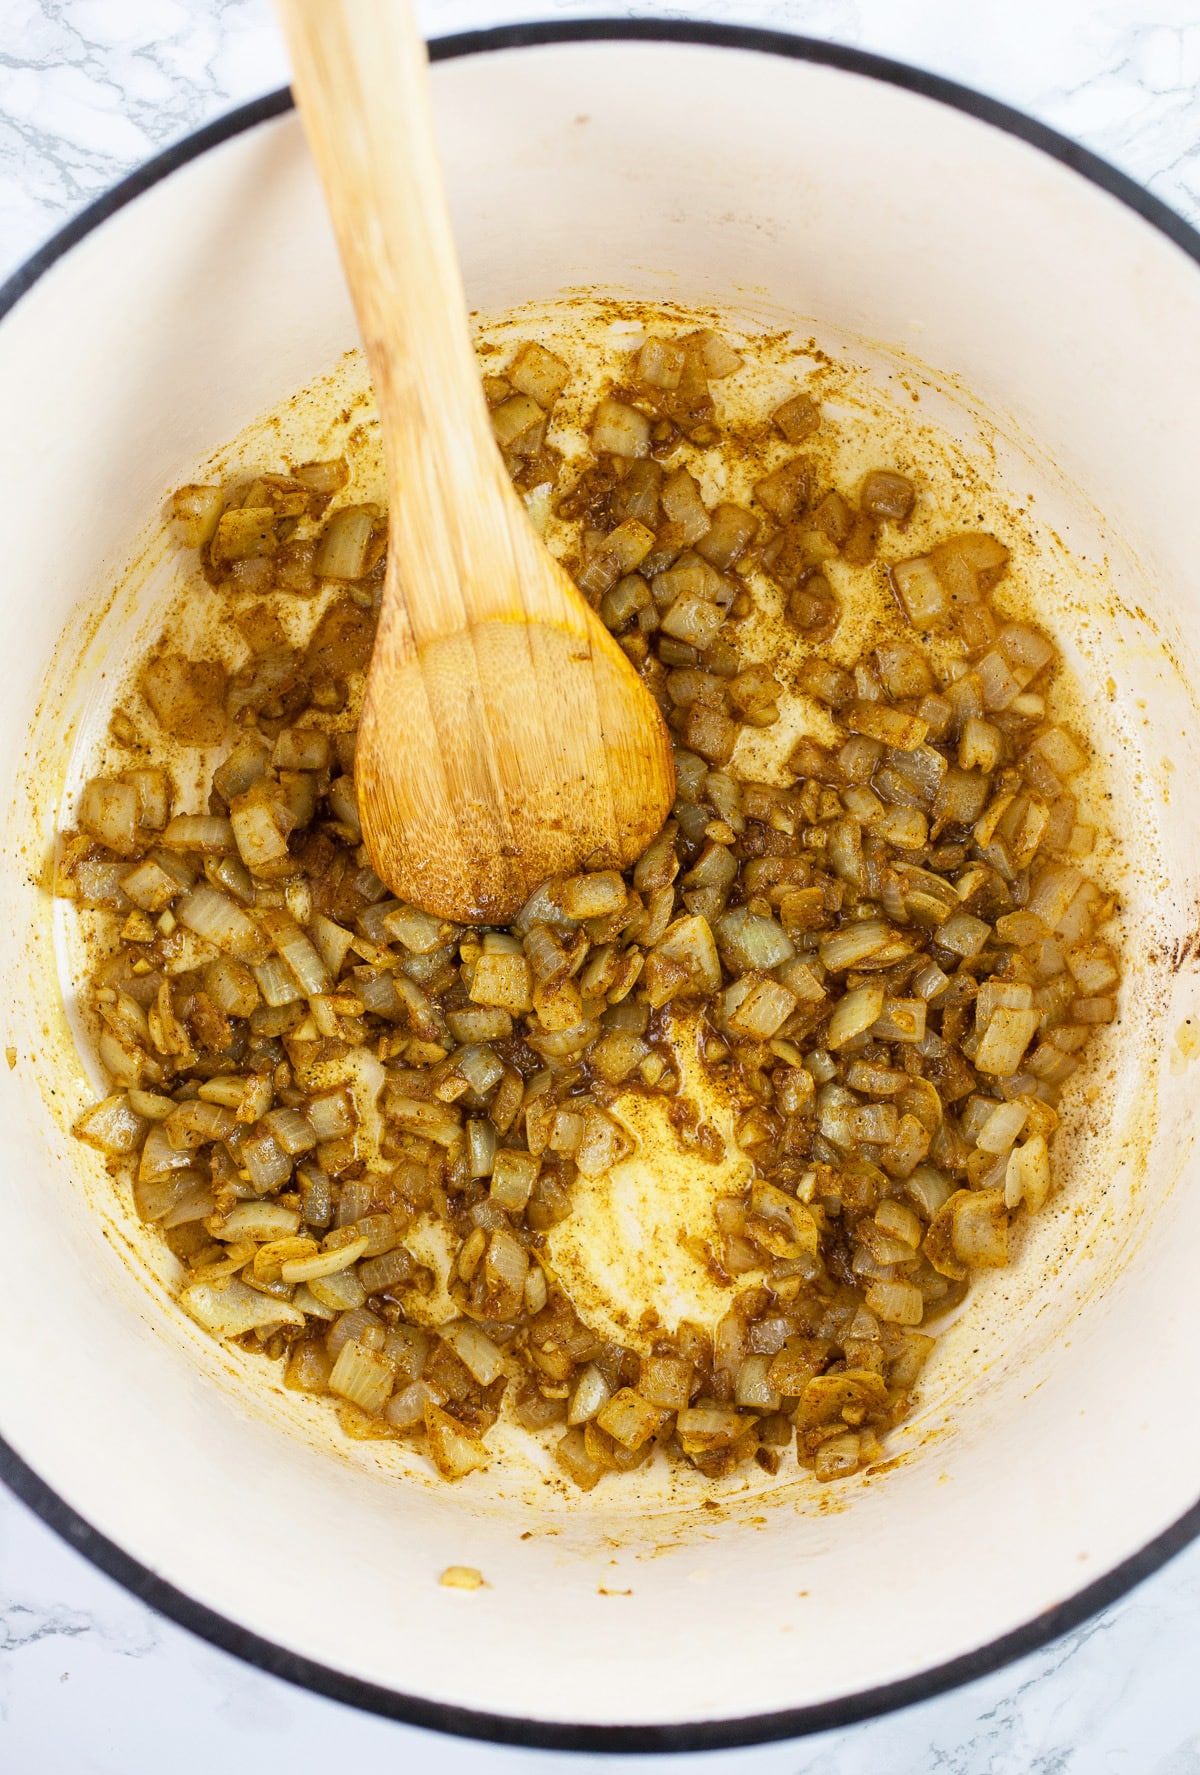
<point x="361" y="82"/>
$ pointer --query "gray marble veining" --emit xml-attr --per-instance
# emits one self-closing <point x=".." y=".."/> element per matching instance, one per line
<point x="89" y="88"/>
<point x="93" y="1683"/>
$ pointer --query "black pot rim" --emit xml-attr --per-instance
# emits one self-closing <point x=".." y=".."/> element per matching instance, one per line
<point x="336" y="1685"/>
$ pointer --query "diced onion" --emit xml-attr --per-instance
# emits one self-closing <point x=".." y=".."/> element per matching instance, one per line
<point x="619" y="430"/>
<point x="897" y="1303"/>
<point x="342" y="552"/>
<point x="603" y="1143"/>
<point x="628" y="1418"/>
<point x="476" y="1350"/>
<point x="405" y="1410"/>
<point x="363" y="1376"/>
<point x="455" y="1452"/>
<point x="259" y="1220"/>
<point x="215" y="917"/>
<point x="112" y="1125"/>
<point x="592" y="1393"/>
<point x="1027" y="1176"/>
<point x="233" y="1309"/>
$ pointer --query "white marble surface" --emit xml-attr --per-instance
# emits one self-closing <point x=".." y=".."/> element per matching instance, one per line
<point x="93" y="1683"/>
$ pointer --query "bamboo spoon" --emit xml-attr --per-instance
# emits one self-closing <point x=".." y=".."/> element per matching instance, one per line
<point x="504" y="735"/>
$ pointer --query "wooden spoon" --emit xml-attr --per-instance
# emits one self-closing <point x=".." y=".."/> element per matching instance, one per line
<point x="504" y="736"/>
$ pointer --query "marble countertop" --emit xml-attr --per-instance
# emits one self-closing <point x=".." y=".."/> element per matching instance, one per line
<point x="91" y="1681"/>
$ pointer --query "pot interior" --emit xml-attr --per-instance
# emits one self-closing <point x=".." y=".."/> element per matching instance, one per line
<point x="1051" y="334"/>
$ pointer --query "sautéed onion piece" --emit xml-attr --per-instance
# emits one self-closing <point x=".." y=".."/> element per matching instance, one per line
<point x="896" y="958"/>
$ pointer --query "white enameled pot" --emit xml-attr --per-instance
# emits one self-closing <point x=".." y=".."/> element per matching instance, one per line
<point x="1056" y="1457"/>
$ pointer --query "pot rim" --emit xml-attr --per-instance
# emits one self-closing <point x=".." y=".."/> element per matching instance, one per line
<point x="22" y="1480"/>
